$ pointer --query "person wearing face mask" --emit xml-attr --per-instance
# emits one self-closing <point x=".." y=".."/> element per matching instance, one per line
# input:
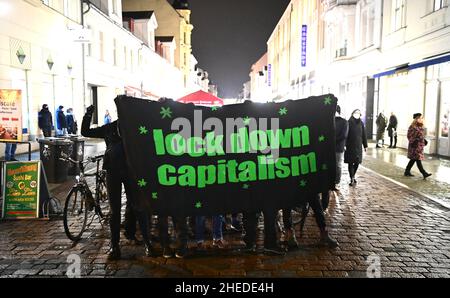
<point x="356" y="140"/>
<point x="417" y="142"/>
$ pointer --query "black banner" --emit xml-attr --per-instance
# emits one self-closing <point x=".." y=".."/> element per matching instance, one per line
<point x="192" y="160"/>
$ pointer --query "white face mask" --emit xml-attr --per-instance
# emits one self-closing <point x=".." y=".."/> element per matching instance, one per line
<point x="356" y="116"/>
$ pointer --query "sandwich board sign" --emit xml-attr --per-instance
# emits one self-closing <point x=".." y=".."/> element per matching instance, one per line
<point x="21" y="184"/>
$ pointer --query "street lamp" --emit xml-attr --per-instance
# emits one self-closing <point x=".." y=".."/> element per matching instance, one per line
<point x="83" y="62"/>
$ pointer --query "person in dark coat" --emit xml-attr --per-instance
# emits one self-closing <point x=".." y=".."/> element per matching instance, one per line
<point x="116" y="174"/>
<point x="356" y="140"/>
<point x="381" y="127"/>
<point x="71" y="123"/>
<point x="61" y="123"/>
<point x="341" y="132"/>
<point x="45" y="121"/>
<point x="341" y="127"/>
<point x="392" y="130"/>
<point x="417" y="142"/>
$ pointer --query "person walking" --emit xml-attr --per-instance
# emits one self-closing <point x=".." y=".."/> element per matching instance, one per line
<point x="45" y="121"/>
<point x="356" y="140"/>
<point x="116" y="175"/>
<point x="341" y="128"/>
<point x="381" y="127"/>
<point x="417" y="142"/>
<point x="392" y="131"/>
<point x="61" y="123"/>
<point x="341" y="132"/>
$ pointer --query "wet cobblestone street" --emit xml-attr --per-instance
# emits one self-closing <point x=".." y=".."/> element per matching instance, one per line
<point x="409" y="234"/>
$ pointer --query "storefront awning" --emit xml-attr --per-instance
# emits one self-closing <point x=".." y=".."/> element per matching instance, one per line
<point x="406" y="67"/>
<point x="201" y="98"/>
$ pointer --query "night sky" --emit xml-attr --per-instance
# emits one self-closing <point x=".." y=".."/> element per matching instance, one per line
<point x="230" y="35"/>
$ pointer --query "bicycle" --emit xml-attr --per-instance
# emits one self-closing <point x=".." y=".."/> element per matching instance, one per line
<point x="80" y="200"/>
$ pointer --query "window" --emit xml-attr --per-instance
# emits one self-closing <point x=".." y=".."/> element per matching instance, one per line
<point x="322" y="33"/>
<point x="438" y="4"/>
<point x="367" y="25"/>
<point x="89" y="45"/>
<point x="114" y="7"/>
<point x="101" y="45"/>
<point x="398" y="14"/>
<point x="125" y="64"/>
<point x="101" y="4"/>
<point x="115" y="52"/>
<point x="131" y="60"/>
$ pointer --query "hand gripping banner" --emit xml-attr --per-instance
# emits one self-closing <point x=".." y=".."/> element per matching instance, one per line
<point x="191" y="160"/>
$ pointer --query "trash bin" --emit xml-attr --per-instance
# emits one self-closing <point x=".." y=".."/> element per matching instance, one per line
<point x="76" y="152"/>
<point x="50" y="154"/>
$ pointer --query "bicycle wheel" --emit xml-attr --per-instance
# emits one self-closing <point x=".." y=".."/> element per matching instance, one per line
<point x="102" y="197"/>
<point x="75" y="214"/>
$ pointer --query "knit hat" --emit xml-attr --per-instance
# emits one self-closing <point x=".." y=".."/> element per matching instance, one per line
<point x="417" y="115"/>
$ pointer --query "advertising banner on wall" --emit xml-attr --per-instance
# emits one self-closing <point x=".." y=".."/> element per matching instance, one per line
<point x="10" y="115"/>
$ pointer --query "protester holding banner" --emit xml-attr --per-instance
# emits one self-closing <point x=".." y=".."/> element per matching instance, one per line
<point x="290" y="240"/>
<point x="180" y="226"/>
<point x="45" y="121"/>
<point x="217" y="222"/>
<point x="316" y="206"/>
<point x="356" y="140"/>
<point x="116" y="175"/>
<point x="271" y="246"/>
<point x="180" y="166"/>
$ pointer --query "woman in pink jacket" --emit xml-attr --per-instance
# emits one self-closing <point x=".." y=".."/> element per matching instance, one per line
<point x="417" y="142"/>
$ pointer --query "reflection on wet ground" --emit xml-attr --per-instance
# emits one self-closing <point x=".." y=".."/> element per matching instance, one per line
<point x="391" y="163"/>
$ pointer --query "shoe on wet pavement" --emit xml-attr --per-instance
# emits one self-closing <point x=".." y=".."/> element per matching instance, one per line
<point x="426" y="175"/>
<point x="182" y="252"/>
<point x="114" y="253"/>
<point x="274" y="250"/>
<point x="326" y="240"/>
<point x="167" y="252"/>
<point x="219" y="243"/>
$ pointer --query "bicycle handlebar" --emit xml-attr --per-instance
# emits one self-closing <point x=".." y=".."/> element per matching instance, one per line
<point x="93" y="159"/>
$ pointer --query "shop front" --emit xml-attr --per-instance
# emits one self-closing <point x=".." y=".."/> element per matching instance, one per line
<point x="419" y="88"/>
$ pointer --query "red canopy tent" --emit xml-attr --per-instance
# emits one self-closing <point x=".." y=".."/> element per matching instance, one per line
<point x="201" y="98"/>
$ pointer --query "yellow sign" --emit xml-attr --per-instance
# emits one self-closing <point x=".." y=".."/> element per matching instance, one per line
<point x="10" y="115"/>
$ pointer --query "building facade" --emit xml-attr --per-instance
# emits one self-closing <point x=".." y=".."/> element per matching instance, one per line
<point x="39" y="56"/>
<point x="46" y="53"/>
<point x="259" y="88"/>
<point x="374" y="55"/>
<point x="174" y="20"/>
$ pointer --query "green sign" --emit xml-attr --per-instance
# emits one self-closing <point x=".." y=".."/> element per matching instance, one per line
<point x="21" y="189"/>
